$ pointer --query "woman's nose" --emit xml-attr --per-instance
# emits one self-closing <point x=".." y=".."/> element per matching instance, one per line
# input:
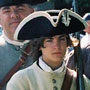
<point x="56" y="44"/>
<point x="14" y="14"/>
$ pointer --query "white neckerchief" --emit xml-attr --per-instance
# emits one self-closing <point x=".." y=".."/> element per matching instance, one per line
<point x="88" y="37"/>
<point x="17" y="43"/>
<point x="46" y="68"/>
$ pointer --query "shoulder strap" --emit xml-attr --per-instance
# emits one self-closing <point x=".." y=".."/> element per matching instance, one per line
<point x="67" y="80"/>
<point x="21" y="61"/>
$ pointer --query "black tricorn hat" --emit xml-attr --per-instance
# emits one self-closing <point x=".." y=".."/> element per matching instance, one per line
<point x="49" y="23"/>
<point x="17" y="2"/>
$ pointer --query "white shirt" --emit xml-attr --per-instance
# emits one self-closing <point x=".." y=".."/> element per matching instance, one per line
<point x="85" y="40"/>
<point x="46" y="68"/>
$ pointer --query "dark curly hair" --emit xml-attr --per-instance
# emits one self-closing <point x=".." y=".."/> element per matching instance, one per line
<point x="37" y="43"/>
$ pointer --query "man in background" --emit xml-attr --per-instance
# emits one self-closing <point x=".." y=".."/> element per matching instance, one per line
<point x="86" y="39"/>
<point x="85" y="46"/>
<point x="12" y="12"/>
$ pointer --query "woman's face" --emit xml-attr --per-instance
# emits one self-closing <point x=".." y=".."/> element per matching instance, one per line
<point x="54" y="51"/>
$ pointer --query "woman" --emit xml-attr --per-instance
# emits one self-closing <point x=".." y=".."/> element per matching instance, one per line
<point x="49" y="71"/>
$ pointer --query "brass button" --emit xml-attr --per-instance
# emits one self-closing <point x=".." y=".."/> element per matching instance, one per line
<point x="17" y="48"/>
<point x="53" y="80"/>
<point x="55" y="88"/>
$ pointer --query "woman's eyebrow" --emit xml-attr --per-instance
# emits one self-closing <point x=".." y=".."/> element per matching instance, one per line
<point x="49" y="38"/>
<point x="62" y="36"/>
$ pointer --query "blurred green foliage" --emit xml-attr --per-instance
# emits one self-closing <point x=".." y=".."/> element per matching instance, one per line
<point x="83" y="5"/>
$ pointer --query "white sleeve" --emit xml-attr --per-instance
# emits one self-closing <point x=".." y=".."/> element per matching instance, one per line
<point x="18" y="82"/>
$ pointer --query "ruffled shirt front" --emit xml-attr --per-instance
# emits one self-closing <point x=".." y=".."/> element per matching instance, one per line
<point x="85" y="40"/>
<point x="47" y="68"/>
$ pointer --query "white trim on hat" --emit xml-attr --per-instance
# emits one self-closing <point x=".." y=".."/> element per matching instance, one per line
<point x="30" y="17"/>
<point x="61" y="13"/>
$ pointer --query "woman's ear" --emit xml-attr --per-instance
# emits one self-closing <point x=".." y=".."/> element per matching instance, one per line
<point x="40" y="49"/>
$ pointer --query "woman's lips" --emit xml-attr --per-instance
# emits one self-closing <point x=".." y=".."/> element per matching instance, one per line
<point x="16" y="22"/>
<point x="57" y="53"/>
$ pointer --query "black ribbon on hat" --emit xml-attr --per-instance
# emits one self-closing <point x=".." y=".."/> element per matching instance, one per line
<point x="41" y="24"/>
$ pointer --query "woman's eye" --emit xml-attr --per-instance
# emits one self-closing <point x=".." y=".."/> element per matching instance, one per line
<point x="21" y="9"/>
<point x="62" y="38"/>
<point x="6" y="11"/>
